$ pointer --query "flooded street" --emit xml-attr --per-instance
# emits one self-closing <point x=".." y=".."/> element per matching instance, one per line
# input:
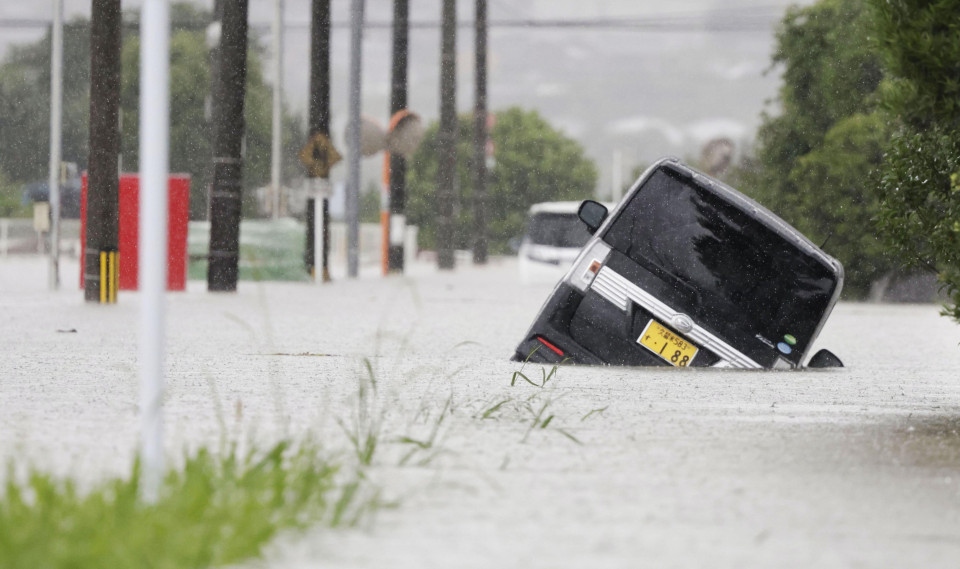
<point x="591" y="467"/>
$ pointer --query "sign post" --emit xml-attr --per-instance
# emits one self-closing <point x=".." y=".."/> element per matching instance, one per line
<point x="319" y="155"/>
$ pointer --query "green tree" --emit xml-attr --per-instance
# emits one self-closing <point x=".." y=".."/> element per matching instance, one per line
<point x="370" y="204"/>
<point x="919" y="180"/>
<point x="813" y="159"/>
<point x="838" y="170"/>
<point x="25" y="108"/>
<point x="191" y="128"/>
<point x="25" y="104"/>
<point x="533" y="163"/>
<point x="918" y="40"/>
<point x="10" y="201"/>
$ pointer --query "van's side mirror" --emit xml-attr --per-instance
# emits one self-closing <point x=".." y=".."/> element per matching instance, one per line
<point x="592" y="214"/>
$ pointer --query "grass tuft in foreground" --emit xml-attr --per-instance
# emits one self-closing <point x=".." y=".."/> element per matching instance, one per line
<point x="216" y="510"/>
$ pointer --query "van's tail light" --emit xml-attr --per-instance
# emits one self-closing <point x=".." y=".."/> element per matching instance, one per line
<point x="550" y="346"/>
<point x="587" y="265"/>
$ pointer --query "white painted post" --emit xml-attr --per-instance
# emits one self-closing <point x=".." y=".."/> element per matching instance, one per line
<point x="4" y="237"/>
<point x="616" y="183"/>
<point x="154" y="172"/>
<point x="275" y="166"/>
<point x="56" y="116"/>
<point x="320" y="190"/>
<point x="353" y="139"/>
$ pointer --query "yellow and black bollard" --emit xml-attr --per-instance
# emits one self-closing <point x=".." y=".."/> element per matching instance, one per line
<point x="106" y="274"/>
<point x="109" y="276"/>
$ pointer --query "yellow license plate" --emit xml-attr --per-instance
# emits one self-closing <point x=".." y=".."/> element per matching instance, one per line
<point x="671" y="347"/>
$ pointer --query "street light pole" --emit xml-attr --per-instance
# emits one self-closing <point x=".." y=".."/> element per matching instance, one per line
<point x="353" y="139"/>
<point x="214" y="33"/>
<point x="276" y="180"/>
<point x="56" y="128"/>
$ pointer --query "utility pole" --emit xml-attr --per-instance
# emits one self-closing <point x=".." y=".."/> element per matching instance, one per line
<point x="276" y="179"/>
<point x="318" y="147"/>
<point x="480" y="137"/>
<point x="398" y="164"/>
<point x="100" y="261"/>
<point x="353" y="139"/>
<point x="447" y="136"/>
<point x="56" y="131"/>
<point x="226" y="195"/>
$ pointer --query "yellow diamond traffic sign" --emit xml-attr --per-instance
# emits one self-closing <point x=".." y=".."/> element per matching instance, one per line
<point x="319" y="155"/>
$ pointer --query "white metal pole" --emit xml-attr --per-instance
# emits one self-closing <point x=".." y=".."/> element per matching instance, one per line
<point x="154" y="171"/>
<point x="56" y="118"/>
<point x="275" y="177"/>
<point x="353" y="140"/>
<point x="616" y="183"/>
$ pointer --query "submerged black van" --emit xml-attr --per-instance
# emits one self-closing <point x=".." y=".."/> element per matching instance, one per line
<point x="686" y="271"/>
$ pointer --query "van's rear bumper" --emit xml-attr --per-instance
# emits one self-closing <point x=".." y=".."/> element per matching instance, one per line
<point x="548" y="340"/>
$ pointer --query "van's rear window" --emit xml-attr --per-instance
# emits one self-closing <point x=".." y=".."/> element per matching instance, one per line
<point x="740" y="273"/>
<point x="557" y="230"/>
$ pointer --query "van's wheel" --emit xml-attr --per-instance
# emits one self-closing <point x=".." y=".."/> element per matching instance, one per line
<point x="824" y="358"/>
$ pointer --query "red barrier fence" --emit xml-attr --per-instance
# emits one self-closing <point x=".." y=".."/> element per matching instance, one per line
<point x="129" y="230"/>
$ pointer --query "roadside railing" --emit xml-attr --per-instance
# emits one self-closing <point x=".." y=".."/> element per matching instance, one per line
<point x="270" y="248"/>
<point x="18" y="237"/>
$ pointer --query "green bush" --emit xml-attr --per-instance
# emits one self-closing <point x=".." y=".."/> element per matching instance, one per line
<point x="11" y="202"/>
<point x="917" y="183"/>
<point x="216" y="510"/>
<point x="814" y="157"/>
<point x="919" y="189"/>
<point x="533" y="163"/>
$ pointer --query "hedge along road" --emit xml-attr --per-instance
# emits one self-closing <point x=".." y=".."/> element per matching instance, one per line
<point x="601" y="467"/>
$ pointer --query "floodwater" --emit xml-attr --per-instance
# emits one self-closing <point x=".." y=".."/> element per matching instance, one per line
<point x="852" y="467"/>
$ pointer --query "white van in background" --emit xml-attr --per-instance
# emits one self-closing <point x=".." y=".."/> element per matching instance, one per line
<point x="551" y="242"/>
